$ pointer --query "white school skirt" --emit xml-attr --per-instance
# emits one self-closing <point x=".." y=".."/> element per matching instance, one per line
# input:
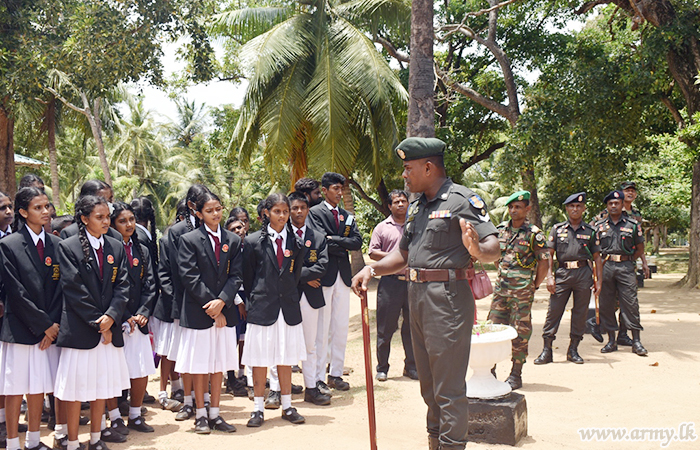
<point x="25" y="369"/>
<point x="278" y="344"/>
<point x="162" y="335"/>
<point x="138" y="354"/>
<point x="211" y="350"/>
<point x="175" y="337"/>
<point x="89" y="375"/>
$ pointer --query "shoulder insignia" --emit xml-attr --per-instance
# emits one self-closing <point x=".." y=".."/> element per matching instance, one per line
<point x="476" y="201"/>
<point x="539" y="237"/>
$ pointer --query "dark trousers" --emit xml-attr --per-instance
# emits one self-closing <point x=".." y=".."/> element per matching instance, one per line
<point x="392" y="301"/>
<point x="442" y="315"/>
<point x="620" y="277"/>
<point x="579" y="282"/>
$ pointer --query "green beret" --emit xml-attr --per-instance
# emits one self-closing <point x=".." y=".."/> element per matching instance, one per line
<point x="519" y="196"/>
<point x="418" y="148"/>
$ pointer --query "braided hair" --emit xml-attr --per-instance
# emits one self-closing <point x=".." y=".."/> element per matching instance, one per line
<point x="180" y="210"/>
<point x="145" y="213"/>
<point x="22" y="200"/>
<point x="270" y="201"/>
<point x="120" y="207"/>
<point x="83" y="208"/>
<point x="193" y="194"/>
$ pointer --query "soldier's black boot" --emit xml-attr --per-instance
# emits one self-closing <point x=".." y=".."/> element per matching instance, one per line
<point x="514" y="379"/>
<point x="611" y="346"/>
<point x="433" y="443"/>
<point x="622" y="336"/>
<point x="594" y="329"/>
<point x="572" y="354"/>
<point x="546" y="355"/>
<point x="637" y="346"/>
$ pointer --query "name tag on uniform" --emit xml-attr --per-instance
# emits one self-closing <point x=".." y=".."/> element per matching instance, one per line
<point x="583" y="236"/>
<point x="441" y="214"/>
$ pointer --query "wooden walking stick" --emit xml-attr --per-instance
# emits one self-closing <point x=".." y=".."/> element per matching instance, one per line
<point x="369" y="379"/>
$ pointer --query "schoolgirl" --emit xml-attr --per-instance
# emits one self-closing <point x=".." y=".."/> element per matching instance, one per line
<point x="6" y="218"/>
<point x="30" y="273"/>
<point x="172" y="290"/>
<point x="137" y="345"/>
<point x="95" y="286"/>
<point x="272" y="263"/>
<point x="209" y="261"/>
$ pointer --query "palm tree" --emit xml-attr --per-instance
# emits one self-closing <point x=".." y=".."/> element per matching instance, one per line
<point x="319" y="92"/>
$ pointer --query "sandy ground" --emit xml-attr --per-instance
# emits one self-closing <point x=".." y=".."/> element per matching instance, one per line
<point x="610" y="390"/>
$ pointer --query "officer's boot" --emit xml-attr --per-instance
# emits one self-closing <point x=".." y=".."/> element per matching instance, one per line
<point x="514" y="379"/>
<point x="611" y="346"/>
<point x="572" y="354"/>
<point x="546" y="355"/>
<point x="622" y="337"/>
<point x="593" y="328"/>
<point x="433" y="443"/>
<point x="637" y="346"/>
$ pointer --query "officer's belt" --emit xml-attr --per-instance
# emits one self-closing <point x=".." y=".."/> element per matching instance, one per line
<point x="418" y="275"/>
<point x="573" y="264"/>
<point x="617" y="258"/>
<point x="399" y="276"/>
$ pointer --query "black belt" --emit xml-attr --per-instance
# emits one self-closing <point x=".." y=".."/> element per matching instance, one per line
<point x="398" y="276"/>
<point x="573" y="264"/>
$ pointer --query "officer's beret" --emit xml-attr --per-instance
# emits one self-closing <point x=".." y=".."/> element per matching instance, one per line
<point x="576" y="198"/>
<point x="518" y="197"/>
<point x="628" y="184"/>
<point x="614" y="195"/>
<point x="418" y="148"/>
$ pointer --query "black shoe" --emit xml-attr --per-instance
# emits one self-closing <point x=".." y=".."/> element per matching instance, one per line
<point x="314" y="396"/>
<point x="256" y="419"/>
<point x="273" y="400"/>
<point x="572" y="354"/>
<point x="170" y="404"/>
<point x="99" y="445"/>
<point x="595" y="331"/>
<point x="545" y="357"/>
<point x="60" y="444"/>
<point x="45" y="416"/>
<point x="119" y="426"/>
<point x="323" y="388"/>
<point x="624" y="340"/>
<point x="22" y="428"/>
<point x="148" y="398"/>
<point x="23" y="407"/>
<point x="410" y="373"/>
<point x="292" y="415"/>
<point x="296" y="389"/>
<point x="84" y="420"/>
<point x="239" y="391"/>
<point x="201" y="426"/>
<point x="178" y="395"/>
<point x="186" y="412"/>
<point x="219" y="424"/>
<point x="139" y="424"/>
<point x="51" y="425"/>
<point x="638" y="349"/>
<point x="41" y="446"/>
<point x="609" y="347"/>
<point x="109" y="435"/>
<point x="296" y="368"/>
<point x="84" y="406"/>
<point x="338" y="383"/>
<point x="515" y="381"/>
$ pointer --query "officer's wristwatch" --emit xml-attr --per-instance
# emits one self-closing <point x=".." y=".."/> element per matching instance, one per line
<point x="372" y="272"/>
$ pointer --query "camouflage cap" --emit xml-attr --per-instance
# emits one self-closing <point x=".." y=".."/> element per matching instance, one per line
<point x="614" y="195"/>
<point x="579" y="197"/>
<point x="628" y="185"/>
<point x="518" y="197"/>
<point x="418" y="148"/>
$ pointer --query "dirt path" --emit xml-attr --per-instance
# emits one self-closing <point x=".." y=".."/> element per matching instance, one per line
<point x="614" y="390"/>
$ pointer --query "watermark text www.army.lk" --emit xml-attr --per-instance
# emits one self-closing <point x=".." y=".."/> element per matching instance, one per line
<point x="685" y="432"/>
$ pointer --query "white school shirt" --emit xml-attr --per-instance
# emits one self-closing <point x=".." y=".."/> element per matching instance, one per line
<point x="37" y="237"/>
<point x="96" y="243"/>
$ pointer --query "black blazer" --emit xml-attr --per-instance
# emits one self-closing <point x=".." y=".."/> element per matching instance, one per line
<point x="72" y="230"/>
<point x="268" y="287"/>
<point x="315" y="263"/>
<point x="340" y="241"/>
<point x="142" y="286"/>
<point x="152" y="246"/>
<point x="172" y="247"/>
<point x="86" y="297"/>
<point x="204" y="280"/>
<point x="164" y="301"/>
<point x="33" y="294"/>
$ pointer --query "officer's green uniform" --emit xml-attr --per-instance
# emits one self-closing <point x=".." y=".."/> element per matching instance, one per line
<point x="442" y="312"/>
<point x="515" y="288"/>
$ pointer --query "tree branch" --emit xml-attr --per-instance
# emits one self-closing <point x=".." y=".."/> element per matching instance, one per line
<point x="378" y="206"/>
<point x="674" y="111"/>
<point x="476" y="158"/>
<point x="590" y="5"/>
<point x="481" y="12"/>
<point x="65" y="101"/>
<point x="391" y="50"/>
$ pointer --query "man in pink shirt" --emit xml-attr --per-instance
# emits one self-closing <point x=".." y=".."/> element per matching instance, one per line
<point x="392" y="293"/>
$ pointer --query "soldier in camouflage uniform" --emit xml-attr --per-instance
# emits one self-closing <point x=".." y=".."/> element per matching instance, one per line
<point x="523" y="265"/>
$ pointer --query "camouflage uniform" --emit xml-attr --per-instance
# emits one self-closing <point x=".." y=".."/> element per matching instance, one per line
<point x="515" y="288"/>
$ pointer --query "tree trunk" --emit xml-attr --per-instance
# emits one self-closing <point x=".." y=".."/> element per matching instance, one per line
<point x="357" y="261"/>
<point x="8" y="183"/>
<point x="421" y="74"/>
<point x="53" y="158"/>
<point x="93" y="117"/>
<point x="692" y="278"/>
<point x="655" y="241"/>
<point x="530" y="184"/>
<point x="664" y="236"/>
